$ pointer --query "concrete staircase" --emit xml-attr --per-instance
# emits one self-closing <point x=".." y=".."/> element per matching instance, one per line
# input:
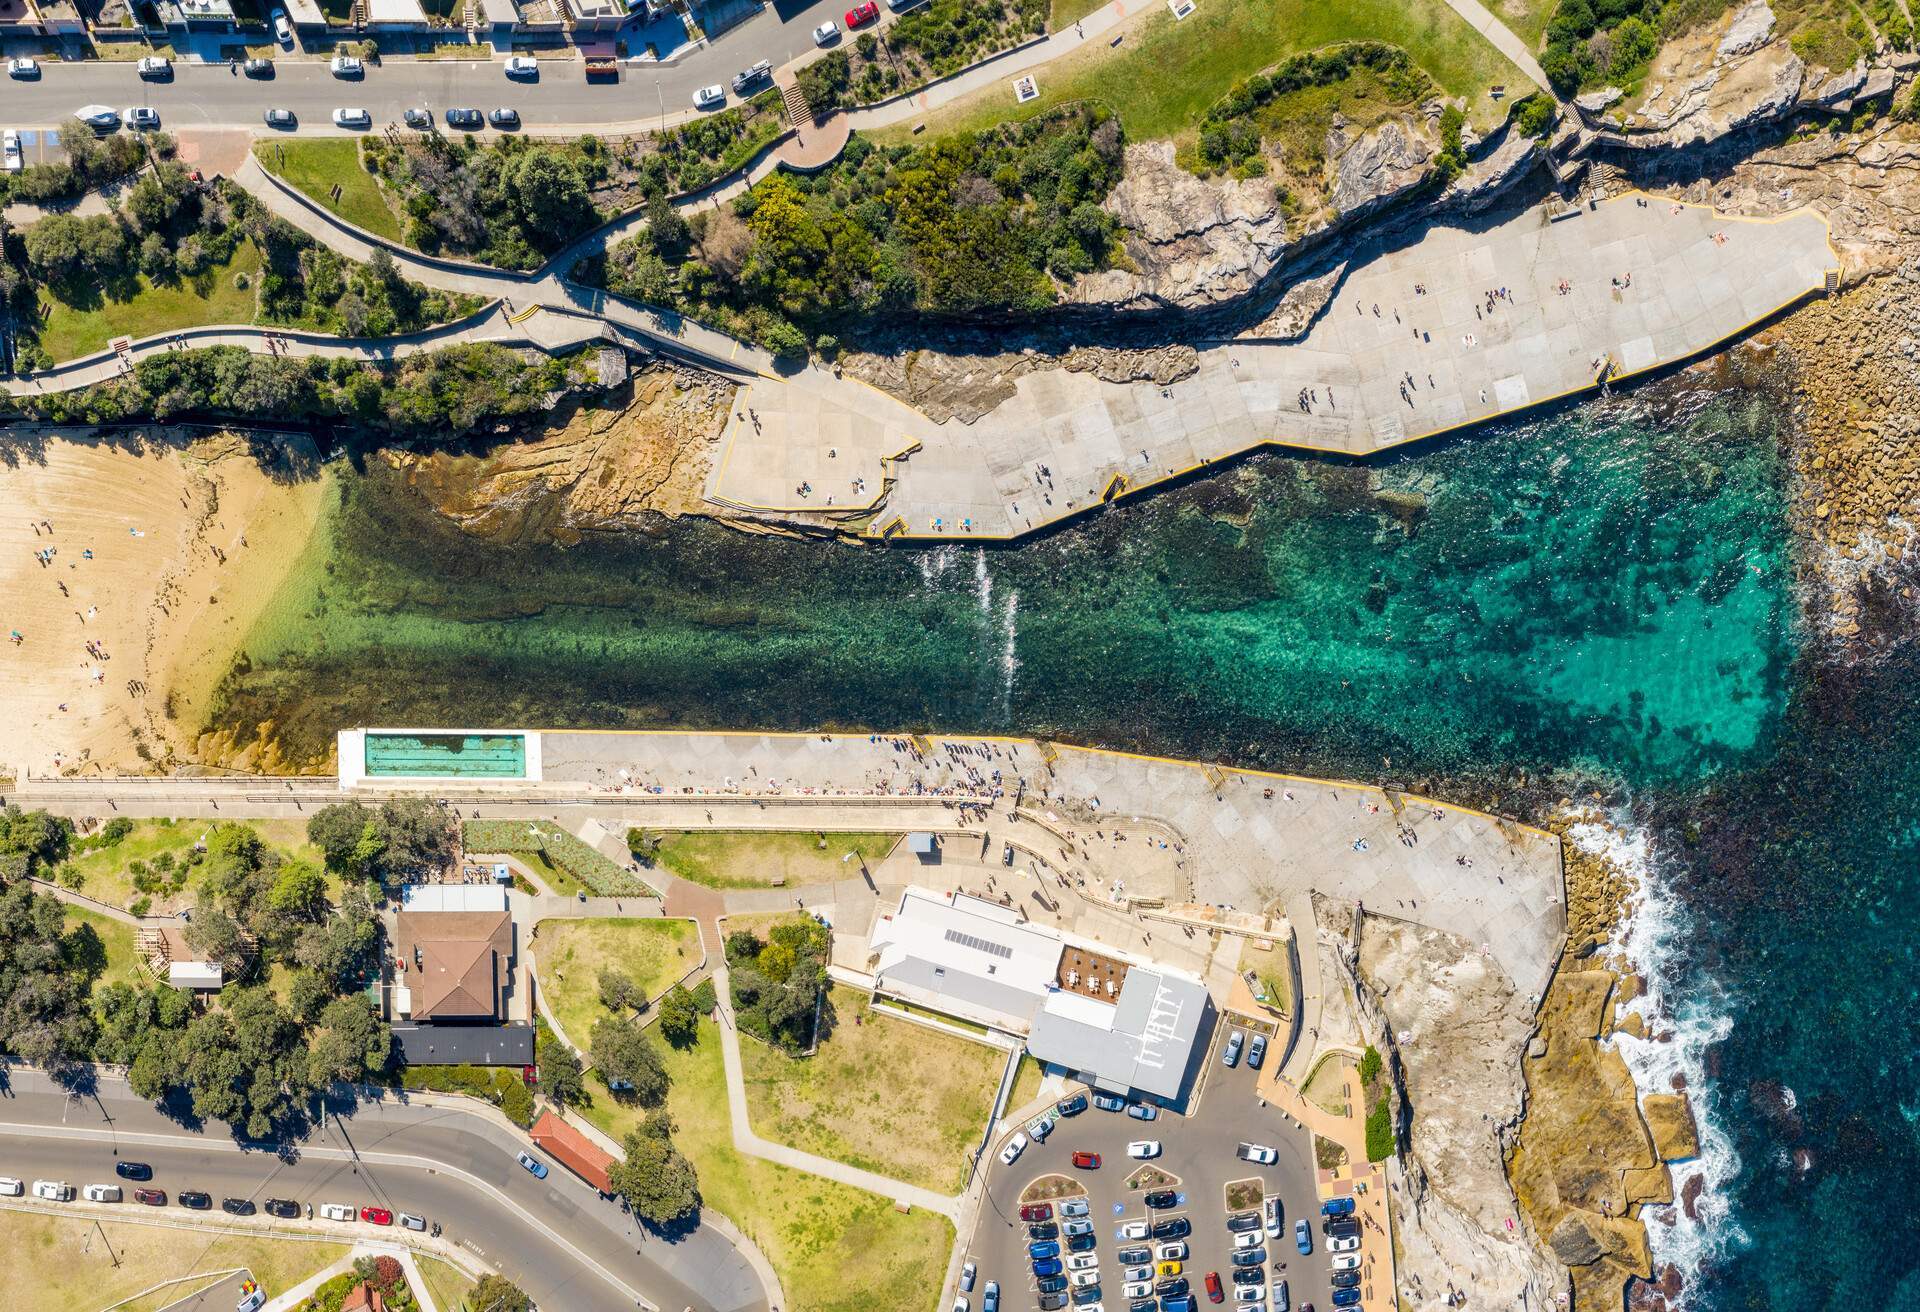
<point x="799" y="112"/>
<point x="360" y="15"/>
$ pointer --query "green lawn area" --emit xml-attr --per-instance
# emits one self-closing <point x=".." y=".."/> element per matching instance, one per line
<point x="881" y="1093"/>
<point x="572" y="953"/>
<point x="317" y="164"/>
<point x="74" y="1271"/>
<point x="123" y="959"/>
<point x="557" y="880"/>
<point x="1026" y="1082"/>
<point x="735" y="858"/>
<point x="913" y="1009"/>
<point x="1066" y="13"/>
<point x="1528" y="19"/>
<point x="836" y="1248"/>
<point x="68" y="331"/>
<point x="1165" y="73"/>
<point x="105" y="878"/>
<point x="446" y="1282"/>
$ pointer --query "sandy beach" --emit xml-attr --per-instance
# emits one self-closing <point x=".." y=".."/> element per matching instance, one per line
<point x="131" y="567"/>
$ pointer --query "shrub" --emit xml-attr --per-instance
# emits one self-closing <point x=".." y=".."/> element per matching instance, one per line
<point x="516" y="1101"/>
<point x="555" y="845"/>
<point x="1370" y="1064"/>
<point x="1380" y="1142"/>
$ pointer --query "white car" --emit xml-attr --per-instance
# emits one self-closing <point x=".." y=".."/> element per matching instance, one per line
<point x="10" y="157"/>
<point x="101" y="1193"/>
<point x="967" y="1273"/>
<point x="1134" y="1230"/>
<point x="1174" y="1250"/>
<point x="282" y="29"/>
<point x="1257" y="1153"/>
<point x="1074" y="1207"/>
<point x="1137" y="1273"/>
<point x="1249" y="1294"/>
<point x="1084" y="1279"/>
<point x="523" y="66"/>
<point x="710" y="97"/>
<point x="960" y="1303"/>
<point x="23" y="67"/>
<point x="1077" y="1226"/>
<point x="1248" y="1239"/>
<point x="1271" y="1211"/>
<point x="54" y="1191"/>
<point x="1347" y="1244"/>
<point x="101" y="118"/>
<point x="141" y="118"/>
<point x="154" y="66"/>
<point x="352" y="118"/>
<point x="827" y="33"/>
<point x="11" y="1187"/>
<point x="1082" y="1261"/>
<point x="1136" y="1289"/>
<point x="410" y="1221"/>
<point x="1011" y="1153"/>
<point x="1144" y="1148"/>
<point x="346" y="66"/>
<point x="338" y="1212"/>
<point x="1346" y="1262"/>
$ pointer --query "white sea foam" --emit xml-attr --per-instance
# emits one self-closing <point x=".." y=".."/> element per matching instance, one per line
<point x="1682" y="1027"/>
<point x="1009" y="653"/>
<point x="935" y="565"/>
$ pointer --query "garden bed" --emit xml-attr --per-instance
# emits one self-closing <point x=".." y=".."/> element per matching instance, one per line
<point x="559" y="848"/>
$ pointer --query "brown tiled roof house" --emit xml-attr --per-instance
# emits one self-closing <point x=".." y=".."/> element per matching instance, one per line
<point x="456" y="962"/>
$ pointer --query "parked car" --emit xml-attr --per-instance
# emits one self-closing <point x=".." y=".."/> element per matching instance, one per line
<point x="1107" y="1102"/>
<point x="1052" y="1302"/>
<point x="1078" y="1226"/>
<point x="1173" y="1251"/>
<point x="1087" y="1161"/>
<point x="1174" y="1287"/>
<point x="1015" y="1146"/>
<point x="1136" y="1289"/>
<point x="1044" y="1249"/>
<point x="1345" y="1262"/>
<point x="376" y="1215"/>
<point x="961" y="1303"/>
<point x="155" y="68"/>
<point x="101" y="118"/>
<point x="23" y="68"/>
<point x="1036" y="1211"/>
<point x="252" y="1297"/>
<point x="1248" y="1275"/>
<point x="1144" y="1148"/>
<point x="990" y="1301"/>
<point x="1167" y="1268"/>
<point x="101" y="1193"/>
<point x="54" y="1191"/>
<point x="1080" y="1243"/>
<point x="1280" y="1302"/>
<point x="1247" y="1240"/>
<point x="1345" y="1297"/>
<point x="1134" y="1256"/>
<point x="1049" y="1266"/>
<point x="347" y="66"/>
<point x="1045" y="1230"/>
<point x="1074" y="1207"/>
<point x="1174" y="1228"/>
<point x="1040" y="1127"/>
<point x="282" y="29"/>
<point x="746" y="77"/>
<point x="199" y="1200"/>
<point x="535" y="1167"/>
<point x="523" y="66"/>
<point x="1212" y="1283"/>
<point x="1133" y="1230"/>
<point x="1335" y="1227"/>
<point x="337" y="1212"/>
<point x="1248" y="1294"/>
<point x="418" y="118"/>
<point x="1337" y="1207"/>
<point x="133" y="1170"/>
<point x="862" y="14"/>
<point x="1082" y="1262"/>
<point x="1257" y="1051"/>
<point x="1303" y="1237"/>
<point x="1088" y="1279"/>
<point x="1180" y="1303"/>
<point x="1071" y="1106"/>
<point x="827" y="33"/>
<point x="257" y="67"/>
<point x="352" y="118"/>
<point x="1270" y="1209"/>
<point x="1257" y="1153"/>
<point x="1141" y="1111"/>
<point x="1240" y="1222"/>
<point x="967" y="1273"/>
<point x="237" y="1206"/>
<point x="1161" y="1199"/>
<point x="284" y="1208"/>
<point x="710" y="97"/>
<point x="1231" y="1057"/>
<point x="1051" y="1285"/>
<point x="1344" y="1244"/>
<point x="504" y="118"/>
<point x="1250" y="1257"/>
<point x="11" y="1187"/>
<point x="466" y="120"/>
<point x="283" y="119"/>
<point x="142" y="119"/>
<point x="151" y="1197"/>
<point x="1344" y="1279"/>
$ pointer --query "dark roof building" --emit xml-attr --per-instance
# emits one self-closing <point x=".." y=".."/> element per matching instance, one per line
<point x="465" y="1045"/>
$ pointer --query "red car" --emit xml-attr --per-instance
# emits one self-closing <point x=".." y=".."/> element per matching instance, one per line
<point x="1086" y="1161"/>
<point x="862" y="14"/>
<point x="377" y="1215"/>
<point x="1213" y="1287"/>
<point x="151" y="1197"/>
<point x="1036" y="1212"/>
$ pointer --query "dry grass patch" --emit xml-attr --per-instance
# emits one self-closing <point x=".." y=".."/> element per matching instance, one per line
<point x="570" y="954"/>
<point x="740" y="858"/>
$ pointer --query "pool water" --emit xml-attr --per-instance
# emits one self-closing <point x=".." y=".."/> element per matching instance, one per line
<point x="462" y="756"/>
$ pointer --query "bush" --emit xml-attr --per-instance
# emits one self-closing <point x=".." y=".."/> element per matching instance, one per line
<point x="555" y="845"/>
<point x="1380" y="1142"/>
<point x="516" y="1101"/>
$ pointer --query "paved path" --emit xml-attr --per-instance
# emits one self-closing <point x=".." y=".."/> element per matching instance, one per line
<point x="301" y="1292"/>
<point x="1503" y="39"/>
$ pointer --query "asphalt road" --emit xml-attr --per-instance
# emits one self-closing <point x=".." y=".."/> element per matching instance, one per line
<point x="211" y="95"/>
<point x="556" y="1238"/>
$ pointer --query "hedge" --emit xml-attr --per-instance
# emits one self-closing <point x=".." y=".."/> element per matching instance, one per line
<point x="518" y="838"/>
<point x="1380" y="1130"/>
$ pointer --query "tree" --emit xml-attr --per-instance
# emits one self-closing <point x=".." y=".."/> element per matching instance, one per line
<point x="679" y="1018"/>
<point x="215" y="936"/>
<point x="340" y="948"/>
<point x="517" y="1103"/>
<point x="342" y="833"/>
<point x="551" y="197"/>
<point x="560" y="1074"/>
<point x="618" y="992"/>
<point x="351" y="1042"/>
<point x="624" y="1055"/>
<point x="659" y="1184"/>
<point x="39" y="840"/>
<point x="496" y="1293"/>
<point x="299" y="892"/>
<point x="666" y="227"/>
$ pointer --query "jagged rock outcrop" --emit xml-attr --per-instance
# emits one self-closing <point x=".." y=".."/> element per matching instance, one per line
<point x="1669" y="1118"/>
<point x="964" y="385"/>
<point x="1377" y="167"/>
<point x="1298" y="307"/>
<point x="1488" y="178"/>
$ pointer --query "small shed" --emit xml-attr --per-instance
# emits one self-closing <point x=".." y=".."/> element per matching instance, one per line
<point x="920" y="843"/>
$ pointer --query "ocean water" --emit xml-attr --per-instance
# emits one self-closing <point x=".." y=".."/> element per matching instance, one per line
<point x="1605" y="596"/>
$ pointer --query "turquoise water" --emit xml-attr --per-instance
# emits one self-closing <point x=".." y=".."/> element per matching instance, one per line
<point x="464" y="756"/>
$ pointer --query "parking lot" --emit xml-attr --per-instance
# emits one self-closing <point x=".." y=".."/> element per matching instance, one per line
<point x="1198" y="1151"/>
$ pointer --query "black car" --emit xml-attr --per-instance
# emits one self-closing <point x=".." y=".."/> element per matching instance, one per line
<point x="282" y="1207"/>
<point x="1244" y="1221"/>
<point x="1162" y="1198"/>
<point x="237" y="1206"/>
<point x="1052" y="1302"/>
<point x="1052" y="1285"/>
<point x="1134" y="1256"/>
<point x="133" y="1170"/>
<point x="418" y="118"/>
<point x="1079" y="1243"/>
<point x="195" y="1199"/>
<point x="1071" y="1106"/>
<point x="1091" y="1294"/>
<point x="1171" y="1288"/>
<point x="1248" y="1275"/>
<point x="258" y="68"/>
<point x="1345" y="1279"/>
<point x="464" y="118"/>
<point x="1341" y="1229"/>
<point x="503" y="117"/>
<point x="1144" y="1305"/>
<point x="1043" y="1230"/>
<point x="1250" y="1257"/>
<point x="1176" y="1228"/>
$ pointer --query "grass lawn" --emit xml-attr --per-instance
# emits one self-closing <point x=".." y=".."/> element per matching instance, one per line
<point x="446" y="1282"/>
<point x="1528" y="19"/>
<point x="68" y="331"/>
<point x="913" y="1009"/>
<point x="123" y="959"/>
<point x="1066" y="13"/>
<point x="72" y="1271"/>
<point x="104" y="873"/>
<point x="883" y="1094"/>
<point x="1026" y="1082"/>
<point x="733" y="858"/>
<point x="317" y="164"/>
<point x="1326" y="1086"/>
<point x="1165" y="73"/>
<point x="556" y="879"/>
<point x="572" y="953"/>
<point x="1278" y="983"/>
<point x="837" y="1249"/>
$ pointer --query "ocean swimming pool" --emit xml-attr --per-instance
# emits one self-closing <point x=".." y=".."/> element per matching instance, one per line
<point x="446" y="755"/>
